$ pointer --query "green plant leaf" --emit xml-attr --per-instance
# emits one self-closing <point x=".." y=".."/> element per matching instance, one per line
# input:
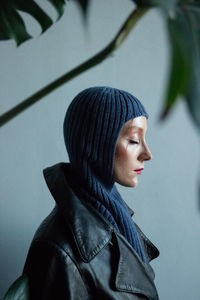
<point x="193" y="2"/>
<point x="11" y="23"/>
<point x="18" y="290"/>
<point x="59" y="6"/>
<point x="12" y="26"/>
<point x="84" y="4"/>
<point x="184" y="31"/>
<point x="181" y="58"/>
<point x="118" y="40"/>
<point x="165" y="4"/>
<point x="193" y="95"/>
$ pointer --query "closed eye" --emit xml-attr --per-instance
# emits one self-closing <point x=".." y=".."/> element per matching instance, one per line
<point x="133" y="142"/>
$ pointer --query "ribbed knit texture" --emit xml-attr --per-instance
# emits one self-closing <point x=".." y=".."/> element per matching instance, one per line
<point x="91" y="128"/>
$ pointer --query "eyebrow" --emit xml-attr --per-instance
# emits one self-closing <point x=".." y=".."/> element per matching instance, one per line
<point x="135" y="127"/>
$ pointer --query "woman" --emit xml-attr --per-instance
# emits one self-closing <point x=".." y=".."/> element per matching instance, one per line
<point x="89" y="247"/>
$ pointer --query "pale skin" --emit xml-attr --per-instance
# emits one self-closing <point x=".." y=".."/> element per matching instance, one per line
<point x="131" y="152"/>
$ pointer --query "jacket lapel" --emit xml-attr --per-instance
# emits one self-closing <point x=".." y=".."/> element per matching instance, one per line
<point x="151" y="250"/>
<point x="132" y="274"/>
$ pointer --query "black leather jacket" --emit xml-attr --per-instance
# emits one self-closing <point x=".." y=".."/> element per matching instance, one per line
<point x="76" y="254"/>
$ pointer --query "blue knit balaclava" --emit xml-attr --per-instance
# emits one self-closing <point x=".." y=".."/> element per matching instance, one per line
<point x="91" y="128"/>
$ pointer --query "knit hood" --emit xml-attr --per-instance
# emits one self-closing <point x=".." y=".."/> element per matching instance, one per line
<point x="91" y="128"/>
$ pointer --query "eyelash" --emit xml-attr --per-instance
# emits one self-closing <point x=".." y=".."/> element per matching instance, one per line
<point x="133" y="142"/>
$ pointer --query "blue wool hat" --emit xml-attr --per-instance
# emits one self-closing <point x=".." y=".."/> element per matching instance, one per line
<point x="91" y="128"/>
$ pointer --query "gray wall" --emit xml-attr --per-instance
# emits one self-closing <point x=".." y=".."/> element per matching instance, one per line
<point x="165" y="201"/>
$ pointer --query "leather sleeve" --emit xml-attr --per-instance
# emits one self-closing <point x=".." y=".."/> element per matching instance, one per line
<point x="52" y="274"/>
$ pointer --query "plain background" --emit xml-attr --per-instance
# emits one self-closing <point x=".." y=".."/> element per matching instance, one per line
<point x="165" y="201"/>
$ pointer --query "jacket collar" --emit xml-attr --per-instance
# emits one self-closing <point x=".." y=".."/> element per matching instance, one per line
<point x="89" y="239"/>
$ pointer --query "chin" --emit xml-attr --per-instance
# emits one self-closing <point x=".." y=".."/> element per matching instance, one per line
<point x="129" y="184"/>
<point x="133" y="183"/>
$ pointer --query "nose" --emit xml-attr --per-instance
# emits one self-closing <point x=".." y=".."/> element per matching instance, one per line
<point x="146" y="154"/>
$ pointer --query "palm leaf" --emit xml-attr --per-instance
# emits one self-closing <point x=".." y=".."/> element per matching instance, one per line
<point x="184" y="31"/>
<point x="59" y="6"/>
<point x="193" y="94"/>
<point x="84" y="4"/>
<point x="12" y="25"/>
<point x="166" y="4"/>
<point x="118" y="40"/>
<point x="183" y="23"/>
<point x="181" y="64"/>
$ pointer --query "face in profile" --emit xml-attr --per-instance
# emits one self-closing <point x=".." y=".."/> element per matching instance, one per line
<point x="131" y="152"/>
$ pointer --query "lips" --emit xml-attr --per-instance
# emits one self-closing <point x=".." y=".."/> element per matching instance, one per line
<point x="138" y="170"/>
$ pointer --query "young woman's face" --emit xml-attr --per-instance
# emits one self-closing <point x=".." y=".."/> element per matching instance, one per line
<point x="131" y="152"/>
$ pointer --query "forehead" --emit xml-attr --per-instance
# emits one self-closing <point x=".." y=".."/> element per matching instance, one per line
<point x="138" y="124"/>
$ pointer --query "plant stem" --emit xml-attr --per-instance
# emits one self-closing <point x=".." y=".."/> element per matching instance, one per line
<point x="130" y="22"/>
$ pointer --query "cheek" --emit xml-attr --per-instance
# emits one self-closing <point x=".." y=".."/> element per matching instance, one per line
<point x="126" y="159"/>
<point x="131" y="156"/>
<point x="123" y="157"/>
